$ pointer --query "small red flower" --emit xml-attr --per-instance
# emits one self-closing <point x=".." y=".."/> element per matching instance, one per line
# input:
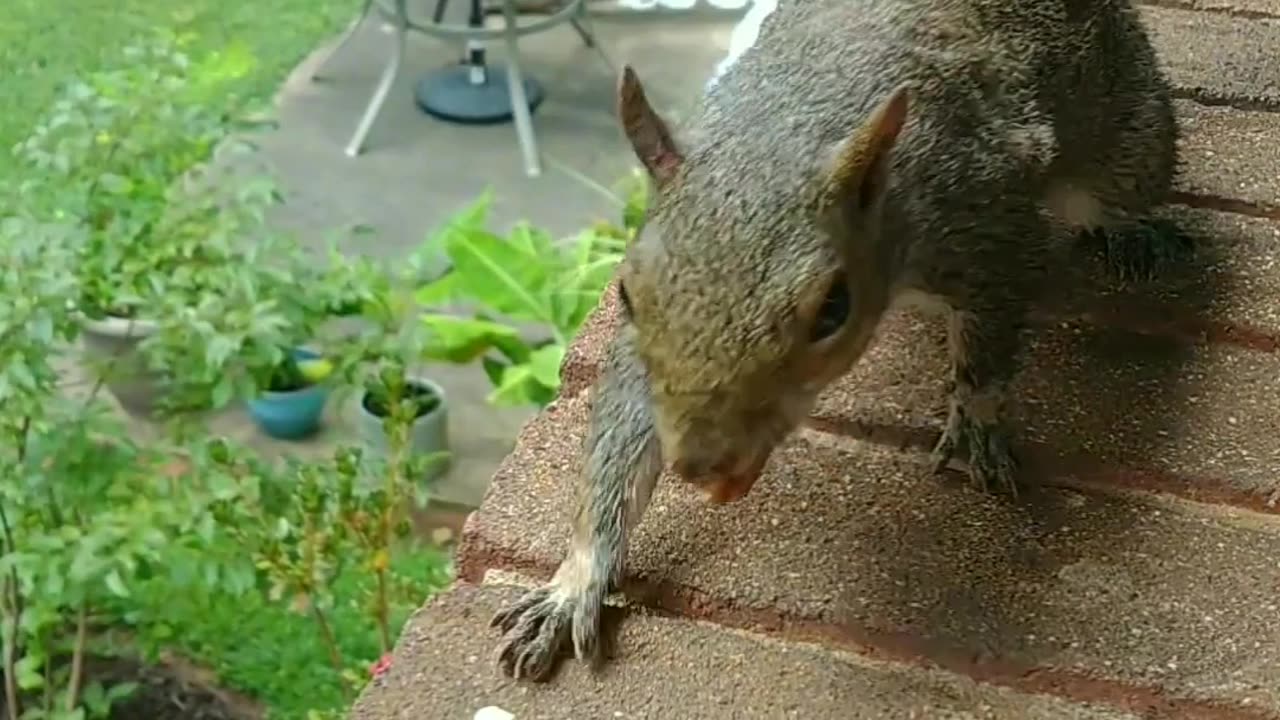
<point x="383" y="664"/>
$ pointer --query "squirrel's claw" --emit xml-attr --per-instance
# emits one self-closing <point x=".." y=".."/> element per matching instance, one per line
<point x="1143" y="249"/>
<point x="537" y="627"/>
<point x="992" y="466"/>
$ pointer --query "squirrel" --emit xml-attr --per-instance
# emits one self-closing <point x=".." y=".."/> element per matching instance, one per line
<point x="861" y="154"/>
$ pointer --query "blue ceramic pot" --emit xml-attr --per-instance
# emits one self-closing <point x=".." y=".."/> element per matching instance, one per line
<point x="290" y="415"/>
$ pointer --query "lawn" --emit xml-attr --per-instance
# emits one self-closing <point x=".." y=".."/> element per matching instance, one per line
<point x="45" y="43"/>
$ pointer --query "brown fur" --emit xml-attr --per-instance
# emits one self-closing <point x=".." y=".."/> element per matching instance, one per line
<point x="871" y="151"/>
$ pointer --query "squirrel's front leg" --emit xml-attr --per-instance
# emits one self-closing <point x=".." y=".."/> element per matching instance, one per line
<point x="621" y="466"/>
<point x="984" y="347"/>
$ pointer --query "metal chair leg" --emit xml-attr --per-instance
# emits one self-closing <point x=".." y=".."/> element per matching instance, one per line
<point x="519" y="102"/>
<point x="389" y="74"/>
<point x="586" y="30"/>
<point x="582" y="24"/>
<point x="347" y="34"/>
<point x="437" y="17"/>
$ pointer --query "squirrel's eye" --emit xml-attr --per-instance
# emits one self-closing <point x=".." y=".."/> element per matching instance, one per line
<point x="833" y="313"/>
<point x="625" y="299"/>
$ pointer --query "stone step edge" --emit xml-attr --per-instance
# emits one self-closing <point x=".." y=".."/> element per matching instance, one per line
<point x="1222" y="203"/>
<point x="667" y="599"/>
<point x="1194" y="6"/>
<point x="1052" y="468"/>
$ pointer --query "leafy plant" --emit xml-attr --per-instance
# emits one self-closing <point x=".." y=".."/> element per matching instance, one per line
<point x="108" y="156"/>
<point x="525" y="282"/>
<point x="91" y="519"/>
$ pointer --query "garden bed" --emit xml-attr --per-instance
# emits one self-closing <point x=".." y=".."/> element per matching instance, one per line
<point x="172" y="689"/>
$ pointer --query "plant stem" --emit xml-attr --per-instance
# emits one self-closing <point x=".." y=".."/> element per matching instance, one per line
<point x="13" y="599"/>
<point x="48" y="677"/>
<point x="395" y="482"/>
<point x="77" y="658"/>
<point x="331" y="643"/>
<point x="12" y="701"/>
<point x="384" y="622"/>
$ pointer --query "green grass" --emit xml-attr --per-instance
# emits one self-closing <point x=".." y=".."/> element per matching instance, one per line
<point x="46" y="43"/>
<point x="271" y="653"/>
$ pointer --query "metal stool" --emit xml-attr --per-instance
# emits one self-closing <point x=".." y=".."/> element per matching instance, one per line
<point x="396" y="12"/>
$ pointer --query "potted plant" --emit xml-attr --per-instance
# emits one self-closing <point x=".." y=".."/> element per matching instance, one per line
<point x="414" y="406"/>
<point x="400" y="415"/>
<point x="110" y="162"/>
<point x="293" y="401"/>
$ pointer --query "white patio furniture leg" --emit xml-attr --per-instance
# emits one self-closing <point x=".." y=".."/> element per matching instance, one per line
<point x="587" y="31"/>
<point x="389" y="75"/>
<point x="519" y="102"/>
<point x="342" y="42"/>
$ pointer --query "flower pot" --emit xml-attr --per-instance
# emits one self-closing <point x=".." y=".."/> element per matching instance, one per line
<point x="428" y="435"/>
<point x="290" y="414"/>
<point x="111" y="345"/>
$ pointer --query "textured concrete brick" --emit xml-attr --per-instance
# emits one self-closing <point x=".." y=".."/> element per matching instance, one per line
<point x="1218" y="57"/>
<point x="581" y="362"/>
<point x="1244" y="8"/>
<point x="1106" y="397"/>
<point x="674" y="669"/>
<point x="1154" y="405"/>
<point x="1234" y="277"/>
<point x="1163" y="594"/>
<point x="1229" y="153"/>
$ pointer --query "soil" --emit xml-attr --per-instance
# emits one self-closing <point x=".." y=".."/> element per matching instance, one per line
<point x="172" y="690"/>
<point x="424" y="398"/>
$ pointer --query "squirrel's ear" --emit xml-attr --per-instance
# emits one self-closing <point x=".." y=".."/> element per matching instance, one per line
<point x="860" y="172"/>
<point x="646" y="132"/>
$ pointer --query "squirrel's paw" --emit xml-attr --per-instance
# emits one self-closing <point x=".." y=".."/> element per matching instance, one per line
<point x="1144" y="249"/>
<point x="992" y="465"/>
<point x="538" y="625"/>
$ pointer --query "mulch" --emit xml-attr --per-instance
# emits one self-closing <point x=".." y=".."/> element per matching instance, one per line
<point x="173" y="689"/>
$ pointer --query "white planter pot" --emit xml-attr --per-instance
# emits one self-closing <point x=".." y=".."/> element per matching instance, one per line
<point x="111" y="346"/>
<point x="428" y="435"/>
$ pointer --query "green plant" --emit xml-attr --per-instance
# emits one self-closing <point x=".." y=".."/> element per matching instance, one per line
<point x="90" y="518"/>
<point x="84" y="512"/>
<point x="526" y="278"/>
<point x="108" y="157"/>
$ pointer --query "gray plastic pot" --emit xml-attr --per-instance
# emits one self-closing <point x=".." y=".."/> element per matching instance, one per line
<point x="111" y="345"/>
<point x="429" y="434"/>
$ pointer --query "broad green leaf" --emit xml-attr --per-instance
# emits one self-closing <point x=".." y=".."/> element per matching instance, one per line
<point x="493" y="368"/>
<point x="537" y="244"/>
<point x="513" y="348"/>
<point x="513" y="390"/>
<point x="462" y="339"/>
<point x="29" y="672"/>
<point x="544" y="363"/>
<point x="116" y="584"/>
<point x="441" y="291"/>
<point x="472" y="218"/>
<point x="500" y="276"/>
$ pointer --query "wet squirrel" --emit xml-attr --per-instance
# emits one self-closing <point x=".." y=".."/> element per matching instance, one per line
<point x="862" y="153"/>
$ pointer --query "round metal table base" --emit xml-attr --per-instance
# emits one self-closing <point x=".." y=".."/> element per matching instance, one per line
<point x="449" y="94"/>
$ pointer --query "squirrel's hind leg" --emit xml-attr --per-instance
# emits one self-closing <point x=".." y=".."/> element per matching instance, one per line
<point x="1126" y="178"/>
<point x="1140" y="249"/>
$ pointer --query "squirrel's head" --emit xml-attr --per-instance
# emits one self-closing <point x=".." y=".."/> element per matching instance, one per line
<point x="745" y="304"/>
